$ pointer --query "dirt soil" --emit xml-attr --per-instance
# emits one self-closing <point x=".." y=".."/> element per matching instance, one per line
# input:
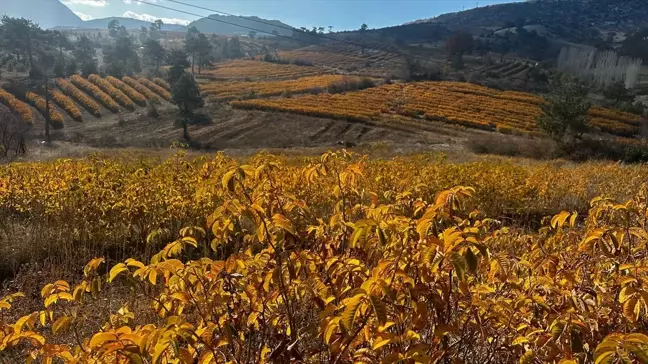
<point x="240" y="131"/>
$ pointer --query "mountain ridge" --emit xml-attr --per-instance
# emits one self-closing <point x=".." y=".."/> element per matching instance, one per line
<point x="563" y="17"/>
<point x="128" y="23"/>
<point x="46" y="13"/>
<point x="218" y="24"/>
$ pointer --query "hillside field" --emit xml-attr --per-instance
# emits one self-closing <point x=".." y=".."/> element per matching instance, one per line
<point x="318" y="216"/>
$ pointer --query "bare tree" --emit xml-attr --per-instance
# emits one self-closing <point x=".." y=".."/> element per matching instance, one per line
<point x="12" y="135"/>
<point x="600" y="68"/>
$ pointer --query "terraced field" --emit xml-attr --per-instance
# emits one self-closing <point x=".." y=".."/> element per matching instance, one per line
<point x="255" y="70"/>
<point x="508" y="69"/>
<point x="230" y="90"/>
<point x="450" y="102"/>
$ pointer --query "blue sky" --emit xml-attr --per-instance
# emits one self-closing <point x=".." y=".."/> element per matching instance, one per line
<point x="341" y="14"/>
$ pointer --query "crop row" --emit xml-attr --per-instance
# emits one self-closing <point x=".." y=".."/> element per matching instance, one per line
<point x="451" y="102"/>
<point x="247" y="69"/>
<point x="233" y="90"/>
<point x="114" y="92"/>
<point x="96" y="92"/>
<point x="72" y="91"/>
<point x="134" y="95"/>
<point x="55" y="117"/>
<point x="23" y="110"/>
<point x="66" y="104"/>
<point x="162" y="83"/>
<point x="155" y="88"/>
<point x="150" y="95"/>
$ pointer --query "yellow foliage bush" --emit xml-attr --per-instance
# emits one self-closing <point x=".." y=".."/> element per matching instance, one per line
<point x="66" y="104"/>
<point x="162" y="83"/>
<point x="346" y="259"/>
<point x="134" y="95"/>
<point x="114" y="92"/>
<point x="72" y="91"/>
<point x="56" y="119"/>
<point x="96" y="92"/>
<point x="23" y="110"/>
<point x="150" y="95"/>
<point x="160" y="90"/>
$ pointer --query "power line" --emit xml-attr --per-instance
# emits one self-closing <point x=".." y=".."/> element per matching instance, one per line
<point x="283" y="27"/>
<point x="314" y="34"/>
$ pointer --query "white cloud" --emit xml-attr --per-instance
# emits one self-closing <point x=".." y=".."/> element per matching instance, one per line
<point x="137" y="2"/>
<point x="151" y="18"/>
<point x="97" y="3"/>
<point x="84" y="17"/>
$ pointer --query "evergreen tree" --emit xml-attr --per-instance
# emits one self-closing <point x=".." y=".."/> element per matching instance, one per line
<point x="191" y="45"/>
<point x="85" y="55"/>
<point x="178" y="61"/>
<point x="203" y="51"/>
<point x="186" y="96"/>
<point x="154" y="54"/>
<point x="564" y="110"/>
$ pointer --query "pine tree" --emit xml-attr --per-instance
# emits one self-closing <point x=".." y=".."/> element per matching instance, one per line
<point x="186" y="96"/>
<point x="564" y="110"/>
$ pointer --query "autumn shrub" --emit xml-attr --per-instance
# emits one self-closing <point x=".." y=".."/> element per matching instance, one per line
<point x="345" y="259"/>
<point x="510" y="146"/>
<point x="96" y="92"/>
<point x="133" y="94"/>
<point x="155" y="88"/>
<point x="66" y="104"/>
<point x="72" y="91"/>
<point x="114" y="92"/>
<point x="23" y="110"/>
<point x="162" y="83"/>
<point x="150" y="95"/>
<point x="39" y="102"/>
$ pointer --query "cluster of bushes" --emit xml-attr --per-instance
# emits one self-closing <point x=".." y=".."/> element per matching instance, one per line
<point x="617" y="96"/>
<point x="584" y="149"/>
<point x="276" y="59"/>
<point x="350" y="84"/>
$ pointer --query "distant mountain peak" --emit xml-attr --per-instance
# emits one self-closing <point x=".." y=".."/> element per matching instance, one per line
<point x="46" y="13"/>
<point x="239" y="25"/>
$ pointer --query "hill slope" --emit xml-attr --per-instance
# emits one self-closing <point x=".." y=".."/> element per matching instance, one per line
<point x="571" y="20"/>
<point x="215" y="24"/>
<point x="47" y="13"/>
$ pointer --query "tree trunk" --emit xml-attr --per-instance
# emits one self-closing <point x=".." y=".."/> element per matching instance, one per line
<point x="185" y="131"/>
<point x="29" y="52"/>
<point x="47" y="113"/>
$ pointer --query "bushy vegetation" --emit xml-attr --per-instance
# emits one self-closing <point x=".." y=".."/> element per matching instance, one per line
<point x="333" y="259"/>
